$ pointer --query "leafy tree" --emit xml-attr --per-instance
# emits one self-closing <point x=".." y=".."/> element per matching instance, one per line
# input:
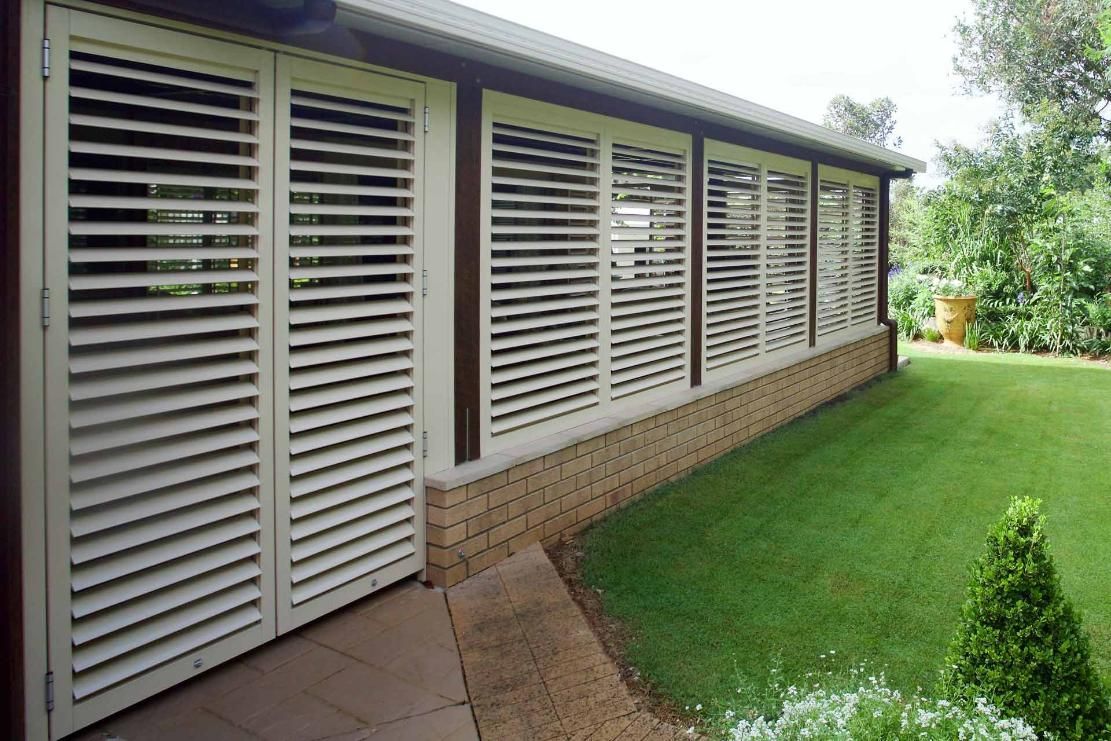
<point x="1020" y="643"/>
<point x="1029" y="51"/>
<point x="873" y="122"/>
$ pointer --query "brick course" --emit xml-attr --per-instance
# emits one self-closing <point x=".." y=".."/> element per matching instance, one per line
<point x="473" y="526"/>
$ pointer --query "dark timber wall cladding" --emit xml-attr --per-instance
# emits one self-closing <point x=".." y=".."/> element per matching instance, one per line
<point x="11" y="645"/>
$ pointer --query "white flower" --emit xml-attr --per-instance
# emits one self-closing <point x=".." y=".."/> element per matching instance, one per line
<point x="698" y="707"/>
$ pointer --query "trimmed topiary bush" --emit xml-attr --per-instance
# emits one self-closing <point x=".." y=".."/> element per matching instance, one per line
<point x="1020" y="643"/>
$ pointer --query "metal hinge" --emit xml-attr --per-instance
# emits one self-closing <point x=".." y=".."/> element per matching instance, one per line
<point x="46" y="58"/>
<point x="424" y="282"/>
<point x="427" y="119"/>
<point x="46" y="307"/>
<point x="424" y="444"/>
<point x="49" y="691"/>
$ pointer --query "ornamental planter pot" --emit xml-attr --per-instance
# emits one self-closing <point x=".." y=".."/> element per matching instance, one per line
<point x="953" y="315"/>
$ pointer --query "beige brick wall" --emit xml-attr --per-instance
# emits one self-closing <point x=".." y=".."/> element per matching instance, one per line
<point x="473" y="526"/>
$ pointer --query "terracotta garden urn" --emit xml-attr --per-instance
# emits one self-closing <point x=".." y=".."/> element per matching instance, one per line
<point x="953" y="315"/>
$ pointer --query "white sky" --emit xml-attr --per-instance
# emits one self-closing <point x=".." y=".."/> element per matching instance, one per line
<point x="899" y="48"/>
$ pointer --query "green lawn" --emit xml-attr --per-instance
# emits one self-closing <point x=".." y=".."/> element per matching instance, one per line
<point x="852" y="529"/>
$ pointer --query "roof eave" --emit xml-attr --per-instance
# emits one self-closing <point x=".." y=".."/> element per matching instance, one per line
<point x="453" y="28"/>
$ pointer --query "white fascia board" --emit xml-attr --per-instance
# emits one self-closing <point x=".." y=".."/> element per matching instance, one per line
<point x="448" y="26"/>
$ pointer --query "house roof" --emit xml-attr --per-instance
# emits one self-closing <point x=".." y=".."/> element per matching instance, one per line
<point x="455" y="29"/>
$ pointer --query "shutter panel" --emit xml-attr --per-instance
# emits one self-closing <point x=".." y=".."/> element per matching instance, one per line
<point x="544" y="274"/>
<point x="734" y="262"/>
<point x="648" y="266"/>
<point x="865" y="254"/>
<point x="348" y="418"/>
<point x="835" y="256"/>
<point x="786" y="260"/>
<point x="161" y="468"/>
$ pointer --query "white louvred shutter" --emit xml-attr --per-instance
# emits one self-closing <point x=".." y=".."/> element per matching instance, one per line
<point x="865" y="254"/>
<point x="543" y="273"/>
<point x="158" y="359"/>
<point x="786" y="276"/>
<point x="348" y="426"/>
<point x="835" y="257"/>
<point x="649" y="237"/>
<point x="734" y="262"/>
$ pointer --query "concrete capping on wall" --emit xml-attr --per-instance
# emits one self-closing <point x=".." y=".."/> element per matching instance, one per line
<point x="559" y="486"/>
<point x="466" y="473"/>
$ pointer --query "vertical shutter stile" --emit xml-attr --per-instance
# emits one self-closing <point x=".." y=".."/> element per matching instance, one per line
<point x="544" y="274"/>
<point x="648" y="268"/>
<point x="349" y="195"/>
<point x="166" y="345"/>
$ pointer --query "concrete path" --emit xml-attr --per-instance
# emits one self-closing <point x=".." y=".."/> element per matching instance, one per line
<point x="383" y="668"/>
<point x="533" y="666"/>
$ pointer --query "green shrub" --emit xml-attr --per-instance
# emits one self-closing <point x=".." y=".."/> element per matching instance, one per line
<point x="972" y="336"/>
<point x="906" y="324"/>
<point x="1020" y="643"/>
<point x="931" y="335"/>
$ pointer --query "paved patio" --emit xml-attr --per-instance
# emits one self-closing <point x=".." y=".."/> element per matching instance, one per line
<point x="389" y="667"/>
<point x="534" y="668"/>
<point x="384" y="668"/>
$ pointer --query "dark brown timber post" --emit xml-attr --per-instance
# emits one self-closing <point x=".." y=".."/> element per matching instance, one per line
<point x="884" y="266"/>
<point x="697" y="271"/>
<point x="468" y="241"/>
<point x="812" y="299"/>
<point x="11" y="557"/>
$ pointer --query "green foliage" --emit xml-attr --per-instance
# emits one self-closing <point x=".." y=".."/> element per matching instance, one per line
<point x="1029" y="51"/>
<point x="1020" y="643"/>
<point x="1024" y="221"/>
<point x="972" y="336"/>
<point x="931" y="335"/>
<point x="873" y="122"/>
<point x="910" y="301"/>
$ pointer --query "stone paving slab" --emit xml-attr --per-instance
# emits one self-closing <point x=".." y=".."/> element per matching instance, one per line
<point x="534" y="668"/>
<point x="386" y="667"/>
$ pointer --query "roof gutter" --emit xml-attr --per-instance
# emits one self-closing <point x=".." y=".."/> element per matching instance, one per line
<point x="447" y="26"/>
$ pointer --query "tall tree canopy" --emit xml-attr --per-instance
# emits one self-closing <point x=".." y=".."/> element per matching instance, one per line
<point x="873" y="122"/>
<point x="1027" y="51"/>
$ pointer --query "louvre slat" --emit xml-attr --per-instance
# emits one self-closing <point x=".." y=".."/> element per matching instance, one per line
<point x="350" y="409"/>
<point x="299" y="122"/>
<point x="153" y="127"/>
<point x="143" y="254"/>
<point x="345" y="189"/>
<point x="337" y="455"/>
<point x="342" y="432"/>
<point x="309" y="525"/>
<point x="522" y="362"/>
<point x="352" y="491"/>
<point x="361" y="389"/>
<point x="148" y="354"/>
<point x="370" y="563"/>
<point x="547" y="380"/>
<point x="147" y="557"/>
<point x="329" y="353"/>
<point x="351" y="533"/>
<point x="541" y="412"/>
<point x="166" y="500"/>
<point x="96" y="680"/>
<point x="359" y="109"/>
<point x="120" y="487"/>
<point x="378" y="288"/>
<point x="161" y="153"/>
<point x="156" y="604"/>
<point x="355" y="310"/>
<point x="145" y="101"/>
<point x="159" y="528"/>
<point x="310" y="335"/>
<point x="159" y="178"/>
<point x="178" y="375"/>
<point x="120" y="591"/>
<point x="332" y="168"/>
<point x="360" y="150"/>
<point x="152" y="454"/>
<point x="337" y="372"/>
<point x="81" y="308"/>
<point x="351" y="250"/>
<point x="188" y="83"/>
<point x="106" y="281"/>
<point x="107" y="649"/>
<point x="95" y="441"/>
<point x="137" y="331"/>
<point x="139" y="405"/>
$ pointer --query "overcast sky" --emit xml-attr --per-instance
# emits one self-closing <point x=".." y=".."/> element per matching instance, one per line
<point x="791" y="56"/>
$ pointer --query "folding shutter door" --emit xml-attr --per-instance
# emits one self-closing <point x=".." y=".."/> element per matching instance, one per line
<point x="157" y="359"/>
<point x="834" y="257"/>
<point x="543" y="322"/>
<point x="734" y="262"/>
<point x="348" y="467"/>
<point x="865" y="254"/>
<point x="648" y="270"/>
<point x="786" y="260"/>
